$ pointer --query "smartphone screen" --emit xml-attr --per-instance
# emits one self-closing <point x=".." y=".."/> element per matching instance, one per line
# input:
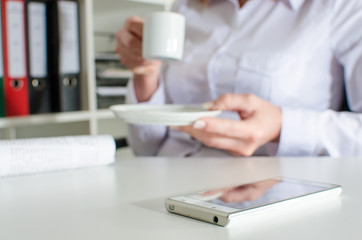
<point x="259" y="193"/>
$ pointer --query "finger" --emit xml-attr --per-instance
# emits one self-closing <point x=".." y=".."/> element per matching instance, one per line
<point x="233" y="145"/>
<point x="234" y="153"/>
<point x="128" y="58"/>
<point x="236" y="102"/>
<point x="135" y="26"/>
<point x="128" y="42"/>
<point x="226" y="127"/>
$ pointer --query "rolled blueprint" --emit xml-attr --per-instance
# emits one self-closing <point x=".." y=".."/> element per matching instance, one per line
<point x="33" y="155"/>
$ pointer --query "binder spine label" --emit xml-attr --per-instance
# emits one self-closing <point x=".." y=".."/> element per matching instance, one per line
<point x="2" y="96"/>
<point x="37" y="40"/>
<point x="15" y="38"/>
<point x="69" y="39"/>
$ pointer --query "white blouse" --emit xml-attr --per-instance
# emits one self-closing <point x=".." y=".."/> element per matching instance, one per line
<point x="302" y="55"/>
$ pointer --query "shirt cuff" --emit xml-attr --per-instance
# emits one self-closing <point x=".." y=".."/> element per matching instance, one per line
<point x="298" y="135"/>
<point x="158" y="96"/>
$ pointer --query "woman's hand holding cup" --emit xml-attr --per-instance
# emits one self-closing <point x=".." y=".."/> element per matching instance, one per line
<point x="142" y="46"/>
<point x="129" y="47"/>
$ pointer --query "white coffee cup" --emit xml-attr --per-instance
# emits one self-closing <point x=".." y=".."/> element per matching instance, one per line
<point x="163" y="36"/>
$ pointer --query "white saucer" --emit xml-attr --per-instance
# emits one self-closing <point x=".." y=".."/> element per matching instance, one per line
<point x="169" y="114"/>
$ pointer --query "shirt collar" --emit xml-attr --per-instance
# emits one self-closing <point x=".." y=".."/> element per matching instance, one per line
<point x="295" y="4"/>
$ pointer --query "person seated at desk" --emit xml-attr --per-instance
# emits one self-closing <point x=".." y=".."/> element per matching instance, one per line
<point x="288" y="74"/>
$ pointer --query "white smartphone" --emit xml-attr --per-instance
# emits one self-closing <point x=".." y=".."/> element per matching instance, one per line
<point x="220" y="206"/>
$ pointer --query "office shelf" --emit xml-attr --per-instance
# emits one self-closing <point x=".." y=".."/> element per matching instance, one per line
<point x="88" y="115"/>
<point x="40" y="119"/>
<point x="105" y="16"/>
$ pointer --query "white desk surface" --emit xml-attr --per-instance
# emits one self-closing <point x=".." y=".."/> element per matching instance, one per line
<point x="125" y="200"/>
